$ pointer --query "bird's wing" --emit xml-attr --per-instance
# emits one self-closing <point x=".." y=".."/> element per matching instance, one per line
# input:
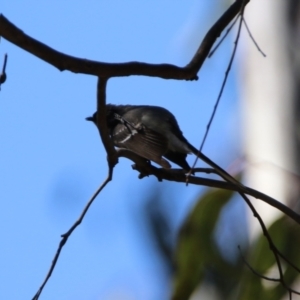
<point x="142" y="141"/>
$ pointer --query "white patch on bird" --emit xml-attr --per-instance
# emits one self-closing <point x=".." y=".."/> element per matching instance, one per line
<point x="129" y="134"/>
<point x="126" y="138"/>
<point x="133" y="132"/>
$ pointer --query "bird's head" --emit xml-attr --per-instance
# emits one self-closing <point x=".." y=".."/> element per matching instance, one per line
<point x="93" y="118"/>
<point x="111" y="110"/>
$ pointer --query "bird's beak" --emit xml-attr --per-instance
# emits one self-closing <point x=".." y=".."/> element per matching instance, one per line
<point x="89" y="119"/>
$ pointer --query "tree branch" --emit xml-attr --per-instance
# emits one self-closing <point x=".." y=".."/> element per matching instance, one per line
<point x="102" y="125"/>
<point x="3" y="73"/>
<point x="106" y="70"/>
<point x="178" y="175"/>
<point x="65" y="236"/>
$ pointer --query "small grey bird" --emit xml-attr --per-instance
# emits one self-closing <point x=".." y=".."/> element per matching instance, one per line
<point x="152" y="132"/>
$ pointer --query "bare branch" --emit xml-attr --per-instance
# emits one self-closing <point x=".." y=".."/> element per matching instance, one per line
<point x="223" y="83"/>
<point x="255" y="272"/>
<point x="178" y="175"/>
<point x="78" y="65"/>
<point x="102" y="125"/>
<point x="3" y="73"/>
<point x="252" y="38"/>
<point x="214" y="33"/>
<point x="112" y="160"/>
<point x="221" y="92"/>
<point x="65" y="236"/>
<point x="211" y="53"/>
<point x="272" y="246"/>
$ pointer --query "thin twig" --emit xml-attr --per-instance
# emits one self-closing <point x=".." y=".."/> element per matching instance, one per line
<point x="223" y="38"/>
<point x="112" y="160"/>
<point x="255" y="272"/>
<point x="214" y="33"/>
<point x="252" y="38"/>
<point x="223" y="84"/>
<point x="272" y="246"/>
<point x="3" y="75"/>
<point x="221" y="89"/>
<point x="288" y="261"/>
<point x="65" y="236"/>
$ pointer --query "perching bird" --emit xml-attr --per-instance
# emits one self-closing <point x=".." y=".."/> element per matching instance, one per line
<point x="152" y="132"/>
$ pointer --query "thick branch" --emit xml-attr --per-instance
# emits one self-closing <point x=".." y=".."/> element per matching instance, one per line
<point x="78" y="65"/>
<point x="3" y="73"/>
<point x="101" y="123"/>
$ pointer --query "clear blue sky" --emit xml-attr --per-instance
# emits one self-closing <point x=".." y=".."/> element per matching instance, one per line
<point x="52" y="160"/>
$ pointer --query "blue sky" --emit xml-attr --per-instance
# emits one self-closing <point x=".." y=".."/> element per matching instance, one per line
<point x="52" y="160"/>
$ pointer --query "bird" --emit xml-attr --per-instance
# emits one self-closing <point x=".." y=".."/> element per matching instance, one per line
<point x="153" y="133"/>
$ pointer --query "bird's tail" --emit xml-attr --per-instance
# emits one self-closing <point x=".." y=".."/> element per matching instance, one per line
<point x="226" y="176"/>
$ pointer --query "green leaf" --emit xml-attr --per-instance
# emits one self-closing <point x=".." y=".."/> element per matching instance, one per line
<point x="196" y="249"/>
<point x="286" y="237"/>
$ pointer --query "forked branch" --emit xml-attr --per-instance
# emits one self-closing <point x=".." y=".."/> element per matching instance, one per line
<point x="63" y="62"/>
